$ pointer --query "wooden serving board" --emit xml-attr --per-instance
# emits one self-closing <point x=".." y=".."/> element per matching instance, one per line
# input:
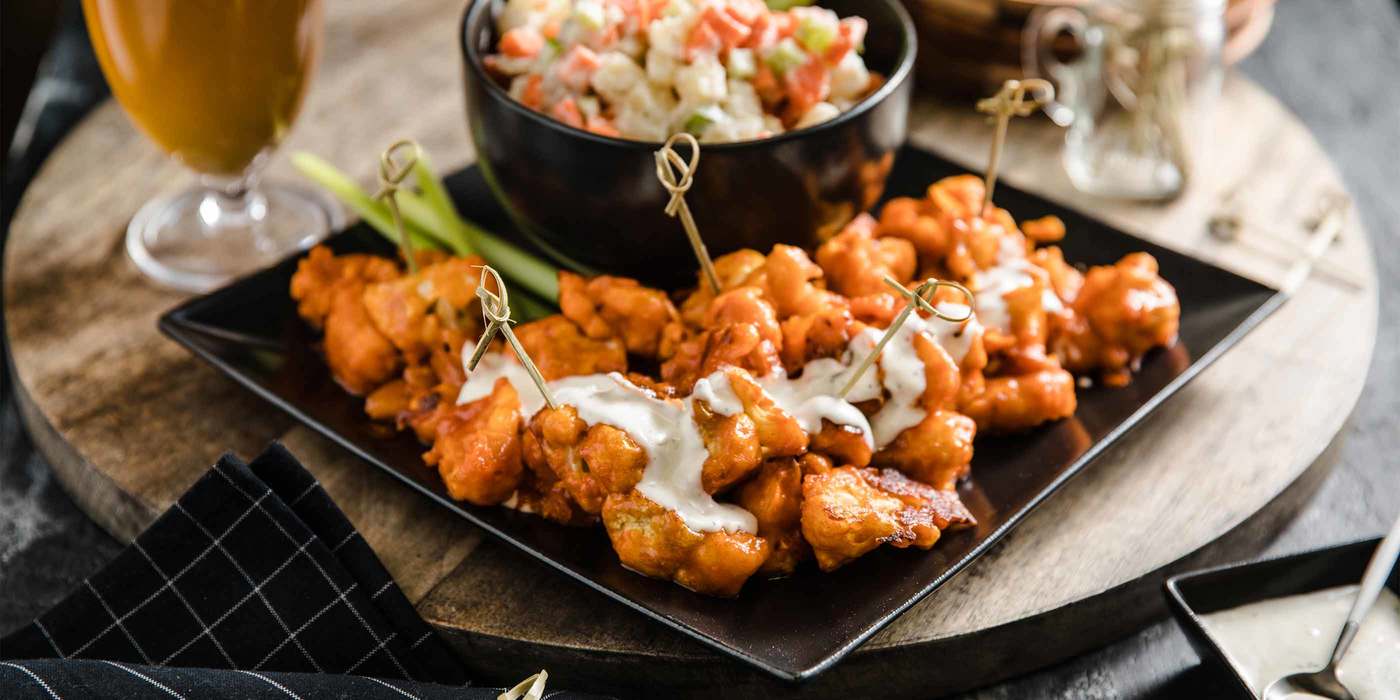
<point x="129" y="420"/>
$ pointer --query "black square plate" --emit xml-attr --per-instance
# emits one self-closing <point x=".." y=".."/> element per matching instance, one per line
<point x="794" y="627"/>
<point x="1198" y="593"/>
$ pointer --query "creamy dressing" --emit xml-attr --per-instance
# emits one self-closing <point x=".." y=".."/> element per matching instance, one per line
<point x="1273" y="638"/>
<point x="812" y="396"/>
<point x="666" y="429"/>
<point x="902" y="372"/>
<point x="493" y="366"/>
<point x="1009" y="274"/>
<point x="717" y="392"/>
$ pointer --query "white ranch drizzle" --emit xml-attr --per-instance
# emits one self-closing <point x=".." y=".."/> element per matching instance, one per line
<point x="493" y="366"/>
<point x="1008" y="275"/>
<point x="717" y="393"/>
<point x="666" y="429"/>
<point x="902" y="372"/>
<point x="811" y="396"/>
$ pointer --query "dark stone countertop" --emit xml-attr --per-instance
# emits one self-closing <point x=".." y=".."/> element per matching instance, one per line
<point x="1333" y="63"/>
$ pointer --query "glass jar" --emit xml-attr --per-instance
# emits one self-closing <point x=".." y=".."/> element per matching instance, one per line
<point x="1139" y="95"/>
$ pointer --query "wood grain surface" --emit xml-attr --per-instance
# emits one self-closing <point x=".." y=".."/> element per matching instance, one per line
<point x="129" y="421"/>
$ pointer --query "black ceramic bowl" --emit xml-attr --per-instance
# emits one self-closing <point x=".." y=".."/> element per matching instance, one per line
<point x="594" y="203"/>
<point x="1198" y="593"/>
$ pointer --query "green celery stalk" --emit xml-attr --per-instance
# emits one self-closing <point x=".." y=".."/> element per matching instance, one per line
<point x="433" y="221"/>
<point x="437" y="199"/>
<point x="374" y="212"/>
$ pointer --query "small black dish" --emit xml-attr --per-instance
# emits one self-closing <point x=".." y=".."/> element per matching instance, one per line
<point x="794" y="627"/>
<point x="1198" y="593"/>
<point x="594" y="204"/>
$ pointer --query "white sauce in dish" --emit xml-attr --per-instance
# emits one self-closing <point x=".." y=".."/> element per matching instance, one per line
<point x="1273" y="638"/>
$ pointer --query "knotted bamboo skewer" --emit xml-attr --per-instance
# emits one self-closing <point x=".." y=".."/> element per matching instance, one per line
<point x="666" y="159"/>
<point x="918" y="298"/>
<point x="495" y="308"/>
<point x="392" y="173"/>
<point x="1009" y="101"/>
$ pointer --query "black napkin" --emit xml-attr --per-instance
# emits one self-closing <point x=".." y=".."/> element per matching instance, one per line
<point x="254" y="571"/>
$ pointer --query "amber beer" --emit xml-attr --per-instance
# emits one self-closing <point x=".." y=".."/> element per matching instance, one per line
<point x="213" y="82"/>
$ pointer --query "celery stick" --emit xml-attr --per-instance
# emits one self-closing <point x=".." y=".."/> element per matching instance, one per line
<point x="464" y="237"/>
<point x="436" y="197"/>
<point x="375" y="213"/>
<point x="432" y="222"/>
<point x="417" y="210"/>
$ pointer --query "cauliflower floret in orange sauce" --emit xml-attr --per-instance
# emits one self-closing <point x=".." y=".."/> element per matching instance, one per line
<point x="606" y="307"/>
<point x="655" y="541"/>
<point x="846" y="512"/>
<point x="856" y="263"/>
<point x="477" y="449"/>
<point x="1121" y="311"/>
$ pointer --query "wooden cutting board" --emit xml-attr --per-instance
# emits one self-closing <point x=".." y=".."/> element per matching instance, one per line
<point x="129" y="420"/>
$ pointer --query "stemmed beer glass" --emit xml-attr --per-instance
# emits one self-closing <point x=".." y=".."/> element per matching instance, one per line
<point x="216" y="84"/>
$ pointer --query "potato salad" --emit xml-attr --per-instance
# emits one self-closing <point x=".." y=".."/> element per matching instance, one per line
<point x="723" y="70"/>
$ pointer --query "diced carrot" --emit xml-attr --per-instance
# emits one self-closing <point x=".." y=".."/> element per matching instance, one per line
<point x="703" y="39"/>
<point x="761" y="34"/>
<point x="603" y="126"/>
<point x="577" y="67"/>
<point x="806" y="85"/>
<point x="567" y="111"/>
<point x="731" y="31"/>
<point x="746" y="11"/>
<point x="522" y="42"/>
<point x="785" y="24"/>
<point x="582" y="58"/>
<point x="533" y="94"/>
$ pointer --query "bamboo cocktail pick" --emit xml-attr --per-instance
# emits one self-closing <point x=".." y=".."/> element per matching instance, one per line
<point x="1008" y="102"/>
<point x="918" y="298"/>
<point x="391" y="176"/>
<point x="495" y="308"/>
<point x="666" y="159"/>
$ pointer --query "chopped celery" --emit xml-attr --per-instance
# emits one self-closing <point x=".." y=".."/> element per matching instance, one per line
<point x="703" y="117"/>
<point x="815" y="31"/>
<point x="781" y="5"/>
<point x="696" y="123"/>
<point x="741" y="64"/>
<point x="785" y="56"/>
